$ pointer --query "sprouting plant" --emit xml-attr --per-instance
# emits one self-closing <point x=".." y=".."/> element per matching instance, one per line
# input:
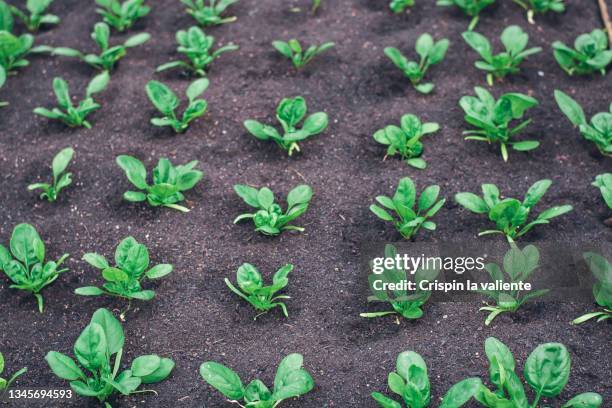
<point x="505" y="63"/>
<point x="13" y="49"/>
<point x="37" y="15"/>
<point x="604" y="183"/>
<point x="252" y="289"/>
<point x="407" y="219"/>
<point x="270" y="218"/>
<point x="291" y="381"/>
<point x="600" y="129"/>
<point x="197" y="47"/>
<point x="108" y="56"/>
<point x="293" y="50"/>
<point x="406" y="139"/>
<point x="289" y="113"/>
<point x="590" y="54"/>
<point x="61" y="180"/>
<point x="208" y="12"/>
<point x="98" y="350"/>
<point x="494" y="118"/>
<point x="122" y="16"/>
<point x="26" y="267"/>
<point x="471" y="8"/>
<point x="166" y="102"/>
<point x="602" y="289"/>
<point x="4" y="383"/>
<point x="398" y="6"/>
<point x="169" y="182"/>
<point x="2" y="82"/>
<point x="405" y="302"/>
<point x="547" y="371"/>
<point x="540" y="7"/>
<point x="410" y="381"/>
<point x="68" y="113"/>
<point x="509" y="214"/>
<point x="430" y="53"/>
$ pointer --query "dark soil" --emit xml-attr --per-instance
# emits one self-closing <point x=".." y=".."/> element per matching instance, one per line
<point x="194" y="317"/>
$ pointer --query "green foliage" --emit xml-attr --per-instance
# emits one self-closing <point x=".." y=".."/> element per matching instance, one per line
<point x="518" y="265"/>
<point x="168" y="185"/>
<point x="471" y="8"/>
<point x="505" y="63"/>
<point x="4" y="383"/>
<point x="406" y="139"/>
<point x="494" y="119"/>
<point x="546" y="371"/>
<point x="399" y="6"/>
<point x="125" y="278"/>
<point x="208" y="12"/>
<point x="122" y="16"/>
<point x="98" y="350"/>
<point x="252" y="289"/>
<point x="604" y="183"/>
<point x="166" y="102"/>
<point x="36" y="14"/>
<point x="13" y="49"/>
<point x="602" y="289"/>
<point x="270" y="218"/>
<point x="404" y="302"/>
<point x="410" y="381"/>
<point x="197" y="47"/>
<point x="540" y="7"/>
<point x="26" y="267"/>
<point x="430" y="53"/>
<point x="408" y="214"/>
<point x="291" y="381"/>
<point x="510" y="215"/>
<point x="315" y="6"/>
<point x="293" y="50"/>
<point x="600" y="129"/>
<point x="68" y="113"/>
<point x="61" y="180"/>
<point x="590" y="54"/>
<point x="289" y="113"/>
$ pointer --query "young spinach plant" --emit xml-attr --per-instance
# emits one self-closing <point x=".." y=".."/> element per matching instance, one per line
<point x="122" y="16"/>
<point x="590" y="54"/>
<point x="61" y="179"/>
<point x="602" y="289"/>
<point x="399" y="6"/>
<point x="98" y="350"/>
<point x="168" y="185"/>
<point x="509" y="214"/>
<point x="407" y="219"/>
<point x="289" y="113"/>
<point x="471" y="8"/>
<point x="4" y="383"/>
<point x="252" y="289"/>
<point x="208" y="12"/>
<point x="13" y="49"/>
<point x="36" y="14"/>
<point x="430" y="53"/>
<point x="25" y="264"/>
<point x="540" y="7"/>
<point x="291" y="381"/>
<point x="604" y="183"/>
<point x="270" y="218"/>
<point x="293" y="50"/>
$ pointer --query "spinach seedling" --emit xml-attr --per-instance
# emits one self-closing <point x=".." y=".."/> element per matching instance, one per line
<point x="604" y="183"/>
<point x="4" y="383"/>
<point x="602" y="289"/>
<point x="61" y="179"/>
<point x="269" y="218"/>
<point x="547" y="371"/>
<point x="36" y="14"/>
<point x="26" y="267"/>
<point x="410" y="381"/>
<point x="208" y="12"/>
<point x="430" y="53"/>
<point x="399" y="6"/>
<point x="406" y="139"/>
<point x="510" y="215"/>
<point x="407" y="219"/>
<point x="494" y="118"/>
<point x="124" y="280"/>
<point x="289" y="113"/>
<point x="406" y="303"/>
<point x="518" y="265"/>
<point x="122" y="16"/>
<point x="98" y="350"/>
<point x="14" y="50"/>
<point x="471" y="8"/>
<point x="166" y="102"/>
<point x="590" y="54"/>
<point x="600" y="129"/>
<point x="197" y="47"/>
<point x="540" y="7"/>
<point x="168" y="185"/>
<point x="505" y="63"/>
<point x="293" y="50"/>
<point x="71" y="115"/>
<point x="291" y="381"/>
<point x="2" y="82"/>
<point x="252" y="289"/>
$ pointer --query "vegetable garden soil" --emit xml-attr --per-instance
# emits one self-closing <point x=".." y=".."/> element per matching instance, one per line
<point x="194" y="317"/>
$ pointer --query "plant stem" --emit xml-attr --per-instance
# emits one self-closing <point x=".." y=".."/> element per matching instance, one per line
<point x="178" y="207"/>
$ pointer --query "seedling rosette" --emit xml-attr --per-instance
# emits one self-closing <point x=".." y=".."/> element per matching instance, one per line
<point x="540" y="7"/>
<point x="121" y="15"/>
<point x="61" y="179"/>
<point x="471" y="8"/>
<point x="589" y="55"/>
<point x="36" y="14"/>
<point x="209" y="12"/>
<point x="293" y="50"/>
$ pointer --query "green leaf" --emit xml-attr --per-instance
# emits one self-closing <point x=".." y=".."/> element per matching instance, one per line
<point x="159" y="271"/>
<point x="61" y="161"/>
<point x="98" y="84"/>
<point x="301" y="194"/>
<point x="525" y="145"/>
<point x="63" y="366"/>
<point x="196" y="88"/>
<point x="248" y="194"/>
<point x="134" y="170"/>
<point x="479" y="43"/>
<point x="381" y="213"/>
<point x="60" y="87"/>
<point x="145" y="365"/>
<point x="22" y="243"/>
<point x="554" y="212"/>
<point x="248" y="277"/>
<point x="461" y="393"/>
<point x="96" y="260"/>
<point x="536" y="192"/>
<point x="91" y="347"/>
<point x="112" y="329"/>
<point x="315" y="123"/>
<point x="223" y="379"/>
<point x="137" y="40"/>
<point x="405" y="193"/>
<point x="428" y="197"/>
<point x="162" y="97"/>
<point x="424" y="44"/>
<point x="547" y="369"/>
<point x="265" y="198"/>
<point x="163" y="371"/>
<point x="291" y="380"/>
<point x="89" y="291"/>
<point x="385" y="402"/>
<point x="584" y="400"/>
<point x="472" y="202"/>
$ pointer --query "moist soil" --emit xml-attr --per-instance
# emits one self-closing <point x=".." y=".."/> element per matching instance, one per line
<point x="194" y="317"/>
